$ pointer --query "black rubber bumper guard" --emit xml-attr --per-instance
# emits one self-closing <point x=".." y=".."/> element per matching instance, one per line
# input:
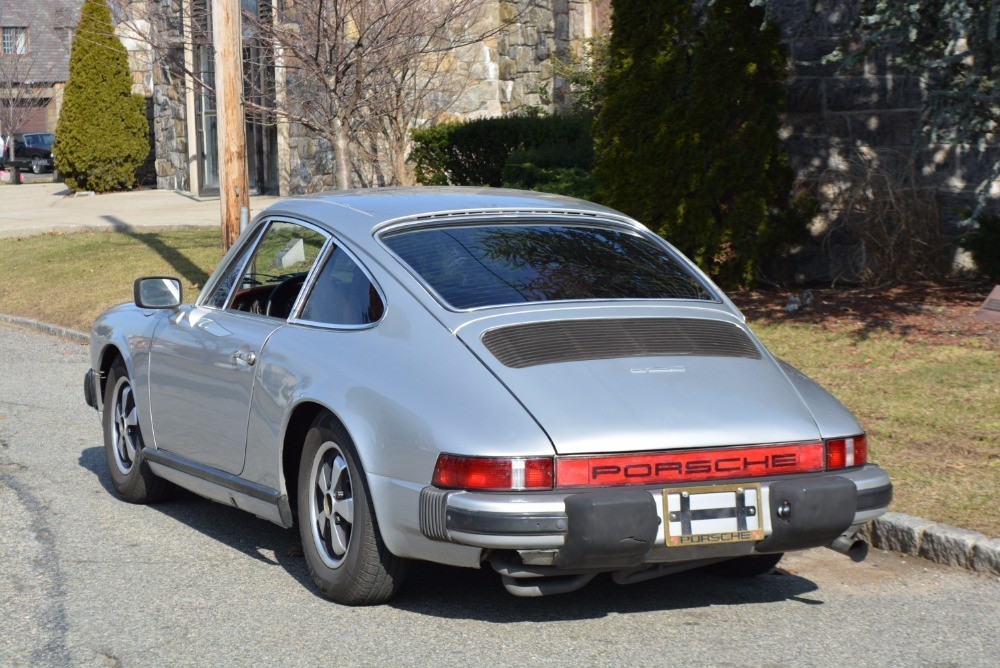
<point x="615" y="528"/>
<point x="90" y="388"/>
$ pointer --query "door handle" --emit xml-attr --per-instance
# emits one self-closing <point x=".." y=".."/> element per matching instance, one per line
<point x="247" y="356"/>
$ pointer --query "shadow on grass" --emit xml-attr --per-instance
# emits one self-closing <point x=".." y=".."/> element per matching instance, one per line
<point x="187" y="269"/>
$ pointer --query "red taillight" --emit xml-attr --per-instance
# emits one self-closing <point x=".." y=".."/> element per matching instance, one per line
<point x="492" y="473"/>
<point x="689" y="465"/>
<point x="846" y="452"/>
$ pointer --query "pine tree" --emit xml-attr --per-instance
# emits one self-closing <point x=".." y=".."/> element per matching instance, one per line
<point x="102" y="136"/>
<point x="687" y="137"/>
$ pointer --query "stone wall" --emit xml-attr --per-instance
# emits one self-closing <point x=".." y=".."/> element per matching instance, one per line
<point x="310" y="166"/>
<point x="512" y="71"/>
<point x="170" y="130"/>
<point x="839" y="117"/>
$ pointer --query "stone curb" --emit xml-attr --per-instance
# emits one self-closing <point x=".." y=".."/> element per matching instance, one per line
<point x="64" y="332"/>
<point x="942" y="543"/>
<point x="898" y="532"/>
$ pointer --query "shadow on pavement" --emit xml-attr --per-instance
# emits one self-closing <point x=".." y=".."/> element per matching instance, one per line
<point x="460" y="593"/>
<point x="187" y="269"/>
<point x="230" y="526"/>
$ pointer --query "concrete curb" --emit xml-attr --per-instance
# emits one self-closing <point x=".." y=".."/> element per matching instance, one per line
<point x="942" y="543"/>
<point x="64" y="332"/>
<point x="898" y="532"/>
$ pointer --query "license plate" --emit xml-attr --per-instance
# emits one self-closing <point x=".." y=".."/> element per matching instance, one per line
<point x="712" y="514"/>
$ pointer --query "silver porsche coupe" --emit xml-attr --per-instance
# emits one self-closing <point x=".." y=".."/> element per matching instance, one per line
<point x="477" y="377"/>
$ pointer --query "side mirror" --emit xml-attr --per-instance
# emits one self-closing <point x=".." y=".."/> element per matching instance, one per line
<point x="157" y="292"/>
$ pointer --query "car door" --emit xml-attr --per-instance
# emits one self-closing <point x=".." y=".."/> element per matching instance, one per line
<point x="203" y="359"/>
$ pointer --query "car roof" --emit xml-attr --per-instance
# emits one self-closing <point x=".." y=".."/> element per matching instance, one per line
<point x="358" y="214"/>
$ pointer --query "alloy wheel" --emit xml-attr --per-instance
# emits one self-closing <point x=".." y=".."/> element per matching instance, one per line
<point x="124" y="426"/>
<point x="331" y="511"/>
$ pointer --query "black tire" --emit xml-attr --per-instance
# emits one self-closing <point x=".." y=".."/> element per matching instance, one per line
<point x="345" y="555"/>
<point x="130" y="474"/>
<point x="37" y="166"/>
<point x="746" y="567"/>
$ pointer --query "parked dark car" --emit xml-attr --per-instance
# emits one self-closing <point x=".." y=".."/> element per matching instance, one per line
<point x="32" y="150"/>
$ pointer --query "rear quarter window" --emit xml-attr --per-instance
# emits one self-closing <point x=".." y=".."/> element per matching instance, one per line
<point x="492" y="265"/>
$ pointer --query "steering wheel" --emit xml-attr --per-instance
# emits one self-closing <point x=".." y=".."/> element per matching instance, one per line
<point x="282" y="298"/>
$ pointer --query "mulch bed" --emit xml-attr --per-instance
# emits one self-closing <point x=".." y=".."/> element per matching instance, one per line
<point x="937" y="312"/>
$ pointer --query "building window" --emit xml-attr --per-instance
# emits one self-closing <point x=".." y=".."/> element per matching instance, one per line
<point x="15" y="41"/>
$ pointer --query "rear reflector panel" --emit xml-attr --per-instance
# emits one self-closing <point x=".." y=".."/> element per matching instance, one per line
<point x="690" y="465"/>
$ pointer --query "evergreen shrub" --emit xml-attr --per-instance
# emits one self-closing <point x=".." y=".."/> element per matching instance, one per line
<point x="687" y="134"/>
<point x="102" y="136"/>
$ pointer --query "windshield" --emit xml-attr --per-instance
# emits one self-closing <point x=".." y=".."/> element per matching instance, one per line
<point x="492" y="265"/>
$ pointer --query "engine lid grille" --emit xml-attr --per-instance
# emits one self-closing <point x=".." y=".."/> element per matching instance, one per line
<point x="533" y="344"/>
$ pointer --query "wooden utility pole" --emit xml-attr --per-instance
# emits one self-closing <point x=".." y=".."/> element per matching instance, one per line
<point x="234" y="183"/>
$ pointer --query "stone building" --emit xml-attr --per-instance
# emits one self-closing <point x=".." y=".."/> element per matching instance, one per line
<point x="511" y="70"/>
<point x="838" y="121"/>
<point x="34" y="55"/>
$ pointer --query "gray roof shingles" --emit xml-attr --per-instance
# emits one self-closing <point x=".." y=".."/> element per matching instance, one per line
<point x="48" y="23"/>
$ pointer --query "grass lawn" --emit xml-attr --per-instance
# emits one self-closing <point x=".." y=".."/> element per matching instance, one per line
<point x="929" y="400"/>
<point x="932" y="413"/>
<point x="69" y="279"/>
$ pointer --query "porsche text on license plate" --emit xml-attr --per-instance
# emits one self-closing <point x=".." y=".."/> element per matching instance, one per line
<point x="712" y="514"/>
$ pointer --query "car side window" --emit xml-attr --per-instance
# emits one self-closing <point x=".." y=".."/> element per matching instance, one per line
<point x="273" y="278"/>
<point x="221" y="293"/>
<point x="343" y="294"/>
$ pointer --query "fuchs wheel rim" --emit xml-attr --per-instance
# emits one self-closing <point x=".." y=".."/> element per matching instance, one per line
<point x="331" y="506"/>
<point x="124" y="426"/>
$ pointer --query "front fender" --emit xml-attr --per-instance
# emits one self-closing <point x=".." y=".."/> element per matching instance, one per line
<point x="127" y="331"/>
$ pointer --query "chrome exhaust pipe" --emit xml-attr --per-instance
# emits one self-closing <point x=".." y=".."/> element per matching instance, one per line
<point x="853" y="547"/>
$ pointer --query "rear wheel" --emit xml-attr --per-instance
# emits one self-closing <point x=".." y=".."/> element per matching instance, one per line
<point x="746" y="567"/>
<point x="340" y="538"/>
<point x="130" y="474"/>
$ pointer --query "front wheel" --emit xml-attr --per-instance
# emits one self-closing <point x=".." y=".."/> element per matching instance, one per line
<point x="37" y="166"/>
<point x="340" y="538"/>
<point x="130" y="474"/>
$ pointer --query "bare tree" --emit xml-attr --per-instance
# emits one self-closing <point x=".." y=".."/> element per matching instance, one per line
<point x="362" y="73"/>
<point x="359" y="73"/>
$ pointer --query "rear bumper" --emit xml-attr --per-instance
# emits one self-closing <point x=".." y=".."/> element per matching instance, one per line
<point x="92" y="389"/>
<point x="620" y="527"/>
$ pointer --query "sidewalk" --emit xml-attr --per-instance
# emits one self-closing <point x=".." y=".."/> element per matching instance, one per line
<point x="36" y="208"/>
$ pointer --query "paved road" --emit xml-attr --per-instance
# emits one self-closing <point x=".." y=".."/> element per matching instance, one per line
<point x="88" y="580"/>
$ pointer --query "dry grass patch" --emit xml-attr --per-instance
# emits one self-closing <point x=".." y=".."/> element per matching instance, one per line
<point x="932" y="412"/>
<point x="68" y="279"/>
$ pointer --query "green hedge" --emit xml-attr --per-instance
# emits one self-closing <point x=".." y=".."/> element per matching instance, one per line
<point x="550" y="153"/>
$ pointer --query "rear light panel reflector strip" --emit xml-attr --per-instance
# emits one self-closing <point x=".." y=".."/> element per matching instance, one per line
<point x="690" y="465"/>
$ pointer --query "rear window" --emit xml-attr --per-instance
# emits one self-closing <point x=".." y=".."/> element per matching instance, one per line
<point x="491" y="265"/>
